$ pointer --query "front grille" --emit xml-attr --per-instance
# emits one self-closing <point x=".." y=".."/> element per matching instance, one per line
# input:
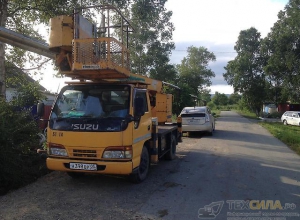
<point x="85" y="153"/>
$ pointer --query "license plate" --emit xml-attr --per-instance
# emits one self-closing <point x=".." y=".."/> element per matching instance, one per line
<point x="83" y="166"/>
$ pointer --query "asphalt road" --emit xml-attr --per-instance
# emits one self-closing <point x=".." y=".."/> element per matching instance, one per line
<point x="237" y="169"/>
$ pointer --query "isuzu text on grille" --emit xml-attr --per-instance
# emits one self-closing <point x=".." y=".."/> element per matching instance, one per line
<point x="89" y="127"/>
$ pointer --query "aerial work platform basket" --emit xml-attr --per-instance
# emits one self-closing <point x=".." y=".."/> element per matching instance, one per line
<point x="89" y="51"/>
<point x="100" y="58"/>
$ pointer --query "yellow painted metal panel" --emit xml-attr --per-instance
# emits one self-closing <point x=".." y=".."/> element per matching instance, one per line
<point x="61" y="32"/>
<point x="140" y="136"/>
<point x="164" y="107"/>
<point x="90" y="139"/>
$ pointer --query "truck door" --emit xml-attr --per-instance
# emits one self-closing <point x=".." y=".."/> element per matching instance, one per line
<point x="142" y="128"/>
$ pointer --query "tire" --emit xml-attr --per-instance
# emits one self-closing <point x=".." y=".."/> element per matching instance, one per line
<point x="142" y="171"/>
<point x="285" y="122"/>
<point x="75" y="175"/>
<point x="171" y="155"/>
<point x="210" y="133"/>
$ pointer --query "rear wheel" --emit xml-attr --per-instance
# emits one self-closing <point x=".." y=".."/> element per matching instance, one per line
<point x="210" y="133"/>
<point x="172" y="152"/>
<point x="143" y="169"/>
<point x="285" y="122"/>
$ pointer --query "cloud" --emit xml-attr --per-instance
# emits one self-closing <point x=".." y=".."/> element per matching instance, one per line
<point x="226" y="89"/>
<point x="216" y="24"/>
<point x="223" y="53"/>
<point x="221" y="21"/>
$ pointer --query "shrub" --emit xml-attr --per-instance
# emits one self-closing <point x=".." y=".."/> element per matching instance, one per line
<point x="211" y="105"/>
<point x="276" y="115"/>
<point x="19" y="163"/>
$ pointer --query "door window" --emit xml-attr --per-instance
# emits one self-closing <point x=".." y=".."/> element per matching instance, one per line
<point x="142" y="94"/>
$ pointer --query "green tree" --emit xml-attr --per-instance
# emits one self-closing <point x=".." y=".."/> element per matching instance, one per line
<point x="194" y="71"/>
<point x="28" y="91"/>
<point x="151" y="42"/>
<point x="245" y="72"/>
<point x="220" y="99"/>
<point x="204" y="96"/>
<point x="183" y="99"/>
<point x="282" y="48"/>
<point x="211" y="105"/>
<point x="234" y="98"/>
<point x="194" y="75"/>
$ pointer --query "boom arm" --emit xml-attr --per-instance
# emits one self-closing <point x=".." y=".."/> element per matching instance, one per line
<point x="25" y="42"/>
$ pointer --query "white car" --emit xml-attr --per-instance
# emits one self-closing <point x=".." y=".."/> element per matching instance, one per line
<point x="291" y="118"/>
<point x="197" y="119"/>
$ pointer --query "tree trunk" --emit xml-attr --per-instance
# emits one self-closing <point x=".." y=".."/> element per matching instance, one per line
<point x="3" y="18"/>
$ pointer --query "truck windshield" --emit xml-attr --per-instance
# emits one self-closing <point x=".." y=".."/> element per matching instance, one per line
<point x="97" y="103"/>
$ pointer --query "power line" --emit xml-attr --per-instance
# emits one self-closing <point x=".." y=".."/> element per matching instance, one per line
<point x="211" y="51"/>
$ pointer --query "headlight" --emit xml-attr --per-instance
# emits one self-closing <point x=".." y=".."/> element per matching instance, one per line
<point x="57" y="150"/>
<point x="117" y="153"/>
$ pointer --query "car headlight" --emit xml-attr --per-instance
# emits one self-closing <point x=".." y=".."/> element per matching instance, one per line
<point x="57" y="150"/>
<point x="117" y="153"/>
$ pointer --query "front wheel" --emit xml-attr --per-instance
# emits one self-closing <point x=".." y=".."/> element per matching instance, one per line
<point x="143" y="169"/>
<point x="285" y="122"/>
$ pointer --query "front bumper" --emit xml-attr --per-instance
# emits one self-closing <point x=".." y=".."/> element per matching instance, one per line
<point x="104" y="167"/>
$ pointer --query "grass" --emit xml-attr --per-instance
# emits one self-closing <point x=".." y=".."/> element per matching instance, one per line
<point x="288" y="134"/>
<point x="247" y="114"/>
<point x="217" y="113"/>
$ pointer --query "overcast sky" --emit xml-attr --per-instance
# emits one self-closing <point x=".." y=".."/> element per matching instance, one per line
<point x="214" y="24"/>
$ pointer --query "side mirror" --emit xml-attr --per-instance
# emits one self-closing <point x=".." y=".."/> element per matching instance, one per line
<point x="139" y="107"/>
<point x="40" y="109"/>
